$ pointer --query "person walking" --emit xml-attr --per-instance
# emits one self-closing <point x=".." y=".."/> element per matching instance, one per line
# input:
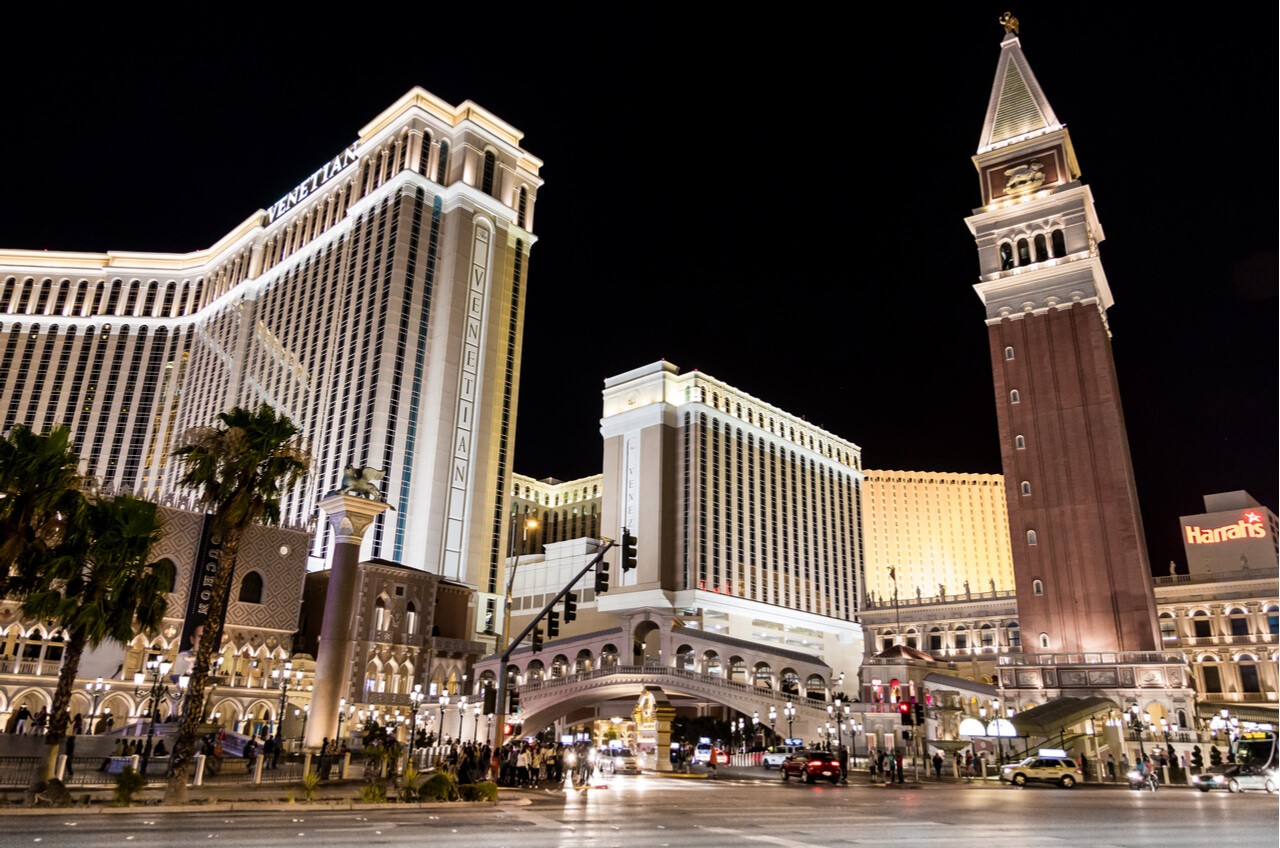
<point x="937" y="766"/>
<point x="842" y="754"/>
<point x="71" y="756"/>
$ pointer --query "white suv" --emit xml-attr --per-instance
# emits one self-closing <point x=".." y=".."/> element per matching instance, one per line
<point x="1060" y="770"/>
<point x="774" y="756"/>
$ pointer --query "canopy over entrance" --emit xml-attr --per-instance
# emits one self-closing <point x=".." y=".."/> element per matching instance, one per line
<point x="1060" y="713"/>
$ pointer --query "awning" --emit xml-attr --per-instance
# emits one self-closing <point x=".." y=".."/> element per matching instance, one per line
<point x="1261" y="713"/>
<point x="1060" y="713"/>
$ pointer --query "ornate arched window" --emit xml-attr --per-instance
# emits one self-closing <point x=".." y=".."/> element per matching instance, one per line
<point x="251" y="588"/>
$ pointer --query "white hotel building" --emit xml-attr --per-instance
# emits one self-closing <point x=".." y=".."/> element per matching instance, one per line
<point x="379" y="305"/>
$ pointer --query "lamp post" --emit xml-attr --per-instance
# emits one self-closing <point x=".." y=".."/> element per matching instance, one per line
<point x="443" y="701"/>
<point x="283" y="677"/>
<point x="477" y="710"/>
<point x="790" y="712"/>
<point x="416" y="697"/>
<point x="1136" y="724"/>
<point x="158" y="690"/>
<point x="344" y="712"/>
<point x="96" y="690"/>
<point x="530" y="523"/>
<point x="755" y="726"/>
<point x="773" y="719"/>
<point x="462" y="712"/>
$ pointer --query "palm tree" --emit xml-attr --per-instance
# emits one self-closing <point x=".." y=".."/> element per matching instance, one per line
<point x="38" y="486"/>
<point x="241" y="467"/>
<point x="94" y="585"/>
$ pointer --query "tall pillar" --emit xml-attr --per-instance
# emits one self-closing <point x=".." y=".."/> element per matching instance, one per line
<point x="350" y="516"/>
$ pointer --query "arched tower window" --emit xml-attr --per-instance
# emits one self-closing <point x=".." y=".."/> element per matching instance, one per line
<point x="1059" y="243"/>
<point x="1014" y="396"/>
<point x="1006" y="256"/>
<point x="490" y="165"/>
<point x="522" y="206"/>
<point x="411" y="619"/>
<point x="1026" y="488"/>
<point x="251" y="588"/>
<point x="1008" y="353"/>
<point x="380" y="614"/>
<point x="1024" y="252"/>
<point x="1020" y="442"/>
<point x="1037" y="587"/>
<point x="1042" y="249"/>
<point x="1044" y="641"/>
<point x="442" y="164"/>
<point x="1031" y="537"/>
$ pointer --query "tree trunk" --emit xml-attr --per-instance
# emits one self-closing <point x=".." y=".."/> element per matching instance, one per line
<point x="193" y="712"/>
<point x="58" y="719"/>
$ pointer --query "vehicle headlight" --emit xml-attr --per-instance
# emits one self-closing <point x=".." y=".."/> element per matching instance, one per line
<point x="1135" y="775"/>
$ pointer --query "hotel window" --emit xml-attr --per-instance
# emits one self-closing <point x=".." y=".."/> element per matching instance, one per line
<point x="523" y="207"/>
<point x="1201" y="626"/>
<point x="1014" y="397"/>
<point x="962" y="639"/>
<point x="1212" y="678"/>
<point x="987" y="636"/>
<point x="251" y="588"/>
<point x="1273" y="620"/>
<point x="1026" y="488"/>
<point x="1008" y="353"/>
<point x="442" y="164"/>
<point x="1042" y="250"/>
<point x="1044" y="641"/>
<point x="935" y="639"/>
<point x="1037" y="587"/>
<point x="1019" y="443"/>
<point x="486" y="183"/>
<point x="1024" y="252"/>
<point x="1031" y="538"/>
<point x="1239" y="622"/>
<point x="1168" y="628"/>
<point x="1249" y="681"/>
<point x="1015" y="635"/>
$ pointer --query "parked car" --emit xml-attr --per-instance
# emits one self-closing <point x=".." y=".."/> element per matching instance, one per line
<point x="774" y="756"/>
<point x="1238" y="778"/>
<point x="1062" y="771"/>
<point x="810" y="766"/>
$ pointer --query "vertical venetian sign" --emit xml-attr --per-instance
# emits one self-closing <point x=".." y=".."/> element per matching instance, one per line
<point x="200" y="597"/>
<point x="469" y="377"/>
<point x="630" y="491"/>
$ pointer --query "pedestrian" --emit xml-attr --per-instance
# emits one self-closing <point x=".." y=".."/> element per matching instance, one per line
<point x="275" y="753"/>
<point x="24" y="718"/>
<point x="842" y="754"/>
<point x="250" y="750"/>
<point x="71" y="755"/>
<point x="937" y="766"/>
<point x="1084" y="766"/>
<point x="1111" y="765"/>
<point x="39" y="721"/>
<point x="77" y="725"/>
<point x="968" y="765"/>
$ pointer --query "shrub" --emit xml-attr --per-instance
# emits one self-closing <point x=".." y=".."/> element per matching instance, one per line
<point x="310" y="782"/>
<point x="128" y="784"/>
<point x="408" y="787"/>
<point x="440" y="786"/>
<point x="373" y="793"/>
<point x="485" y="791"/>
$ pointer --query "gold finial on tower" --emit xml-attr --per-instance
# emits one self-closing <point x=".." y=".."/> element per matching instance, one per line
<point x="1009" y="22"/>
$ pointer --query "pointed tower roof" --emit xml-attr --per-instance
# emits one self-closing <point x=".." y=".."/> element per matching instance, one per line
<point x="1018" y="108"/>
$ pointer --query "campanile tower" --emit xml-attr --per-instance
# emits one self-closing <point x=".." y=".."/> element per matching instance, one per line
<point x="1079" y="554"/>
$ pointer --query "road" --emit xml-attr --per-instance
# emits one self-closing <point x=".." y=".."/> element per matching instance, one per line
<point x="742" y="808"/>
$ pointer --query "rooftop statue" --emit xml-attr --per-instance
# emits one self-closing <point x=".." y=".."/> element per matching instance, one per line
<point x="360" y="482"/>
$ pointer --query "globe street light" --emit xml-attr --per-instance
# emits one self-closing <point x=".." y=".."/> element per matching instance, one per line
<point x="344" y="712"/>
<point x="158" y="690"/>
<point x="462" y="711"/>
<point x="790" y="712"/>
<point x="443" y="701"/>
<point x="283" y="677"/>
<point x="476" y="711"/>
<point x="755" y="726"/>
<point x="1136" y="724"/>
<point x="773" y="719"/>
<point x="96" y="690"/>
<point x="416" y="697"/>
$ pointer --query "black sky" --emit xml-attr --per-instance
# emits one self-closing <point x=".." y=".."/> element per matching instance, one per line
<point x="777" y="202"/>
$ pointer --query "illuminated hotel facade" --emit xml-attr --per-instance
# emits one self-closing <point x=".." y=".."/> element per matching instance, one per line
<point x="379" y="305"/>
<point x="929" y="532"/>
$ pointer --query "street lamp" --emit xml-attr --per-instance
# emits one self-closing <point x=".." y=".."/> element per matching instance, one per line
<point x="344" y="712"/>
<point x="530" y="523"/>
<point x="158" y="690"/>
<point x="96" y="690"/>
<point x="742" y="733"/>
<point x="1136" y="723"/>
<point x="443" y="702"/>
<point x="755" y="726"/>
<point x="773" y="719"/>
<point x="462" y="711"/>
<point x="416" y="697"/>
<point x="476" y="712"/>
<point x="790" y="712"/>
<point x="283" y="677"/>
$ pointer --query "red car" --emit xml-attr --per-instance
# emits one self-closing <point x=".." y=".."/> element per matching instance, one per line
<point x="811" y="765"/>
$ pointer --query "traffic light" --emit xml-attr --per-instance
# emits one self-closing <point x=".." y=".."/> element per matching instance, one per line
<point x="628" y="550"/>
<point x="553" y="623"/>
<point x="602" y="577"/>
<point x="535" y="640"/>
<point x="919" y="713"/>
<point x="908" y="717"/>
<point x="490" y="700"/>
<point x="513" y="702"/>
<point x="570" y="607"/>
<point x="906" y="736"/>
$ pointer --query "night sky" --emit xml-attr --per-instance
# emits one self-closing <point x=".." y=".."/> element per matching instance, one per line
<point x="778" y="203"/>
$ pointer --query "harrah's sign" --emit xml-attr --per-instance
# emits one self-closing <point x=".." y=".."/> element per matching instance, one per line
<point x="1250" y="526"/>
<point x="330" y="170"/>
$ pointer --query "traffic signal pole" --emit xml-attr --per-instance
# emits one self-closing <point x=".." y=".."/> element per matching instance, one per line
<point x="500" y="711"/>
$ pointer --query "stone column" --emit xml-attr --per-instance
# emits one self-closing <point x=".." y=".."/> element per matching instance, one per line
<point x="349" y="516"/>
<point x="663" y="714"/>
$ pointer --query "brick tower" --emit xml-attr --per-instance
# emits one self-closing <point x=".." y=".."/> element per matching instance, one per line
<point x="1079" y="554"/>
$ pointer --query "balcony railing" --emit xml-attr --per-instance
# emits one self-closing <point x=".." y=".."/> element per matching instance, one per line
<point x="1106" y="658"/>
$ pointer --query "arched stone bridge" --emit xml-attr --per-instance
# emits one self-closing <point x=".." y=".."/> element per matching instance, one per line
<point x="543" y="702"/>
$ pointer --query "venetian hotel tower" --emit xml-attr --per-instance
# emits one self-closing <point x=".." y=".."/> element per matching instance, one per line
<point x="379" y="304"/>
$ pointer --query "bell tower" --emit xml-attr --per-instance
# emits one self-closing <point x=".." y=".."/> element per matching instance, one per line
<point x="1079" y="553"/>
